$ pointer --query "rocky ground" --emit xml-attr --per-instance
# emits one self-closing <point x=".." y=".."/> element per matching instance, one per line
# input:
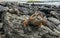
<point x="12" y="15"/>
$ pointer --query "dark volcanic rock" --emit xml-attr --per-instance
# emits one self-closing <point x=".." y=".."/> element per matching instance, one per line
<point x="12" y="23"/>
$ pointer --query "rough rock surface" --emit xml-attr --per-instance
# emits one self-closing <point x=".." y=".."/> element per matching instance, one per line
<point x="11" y="21"/>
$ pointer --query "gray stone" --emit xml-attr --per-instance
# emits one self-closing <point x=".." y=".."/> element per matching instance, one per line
<point x="54" y="20"/>
<point x="1" y="24"/>
<point x="12" y="23"/>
